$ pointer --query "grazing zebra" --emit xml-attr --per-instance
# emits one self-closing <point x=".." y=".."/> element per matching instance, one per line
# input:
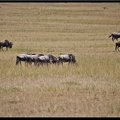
<point x="117" y="45"/>
<point x="6" y="44"/>
<point x="40" y="59"/>
<point x="22" y="57"/>
<point x="115" y="35"/>
<point x="46" y="59"/>
<point x="28" y="58"/>
<point x="70" y="58"/>
<point x="33" y="58"/>
<point x="53" y="59"/>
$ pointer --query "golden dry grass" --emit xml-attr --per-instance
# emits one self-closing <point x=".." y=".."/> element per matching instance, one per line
<point x="90" y="88"/>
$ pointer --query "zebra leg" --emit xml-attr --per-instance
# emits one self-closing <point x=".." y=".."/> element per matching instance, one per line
<point x="30" y="62"/>
<point x="69" y="63"/>
<point x="6" y="48"/>
<point x="35" y="63"/>
<point x="62" y="62"/>
<point x="17" y="60"/>
<point x="20" y="62"/>
<point x="116" y="47"/>
<point x="58" y="63"/>
<point x="113" y="39"/>
<point x="38" y="63"/>
<point x="26" y="63"/>
<point x="2" y="48"/>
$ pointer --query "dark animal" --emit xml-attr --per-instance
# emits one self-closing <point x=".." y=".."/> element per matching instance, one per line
<point x="52" y="59"/>
<point x="115" y="35"/>
<point x="23" y="57"/>
<point x="46" y="59"/>
<point x="33" y="58"/>
<point x="117" y="45"/>
<point x="70" y="58"/>
<point x="6" y="44"/>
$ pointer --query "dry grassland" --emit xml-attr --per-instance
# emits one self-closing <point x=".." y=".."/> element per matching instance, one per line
<point x="90" y="88"/>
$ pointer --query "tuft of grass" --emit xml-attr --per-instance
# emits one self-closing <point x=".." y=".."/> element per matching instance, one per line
<point x="10" y="89"/>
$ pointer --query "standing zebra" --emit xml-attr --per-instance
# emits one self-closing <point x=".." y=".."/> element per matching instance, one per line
<point x="6" y="44"/>
<point x="70" y="58"/>
<point x="115" y="35"/>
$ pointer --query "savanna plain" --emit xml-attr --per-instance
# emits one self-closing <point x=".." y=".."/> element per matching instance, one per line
<point x="91" y="88"/>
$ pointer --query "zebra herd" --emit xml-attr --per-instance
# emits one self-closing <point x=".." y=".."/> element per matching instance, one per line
<point x="41" y="59"/>
<point x="38" y="59"/>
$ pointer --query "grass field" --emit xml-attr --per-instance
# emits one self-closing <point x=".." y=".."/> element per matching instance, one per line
<point x="90" y="88"/>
